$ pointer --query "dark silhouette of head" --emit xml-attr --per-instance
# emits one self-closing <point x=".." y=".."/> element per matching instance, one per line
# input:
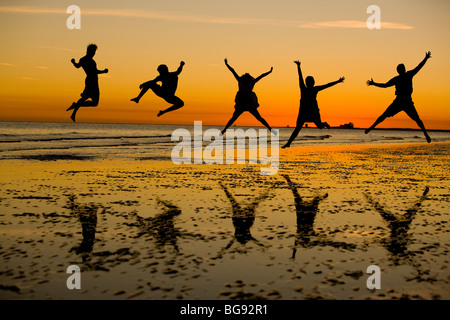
<point x="162" y="69"/>
<point x="247" y="78"/>
<point x="401" y="69"/>
<point x="309" y="81"/>
<point x="91" y="49"/>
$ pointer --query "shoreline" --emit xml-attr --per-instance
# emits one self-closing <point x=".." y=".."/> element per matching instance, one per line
<point x="282" y="152"/>
<point x="221" y="125"/>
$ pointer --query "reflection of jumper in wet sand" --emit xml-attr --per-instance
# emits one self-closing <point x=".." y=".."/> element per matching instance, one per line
<point x="306" y="214"/>
<point x="87" y="214"/>
<point x="162" y="226"/>
<point x="403" y="91"/>
<point x="167" y="89"/>
<point x="398" y="225"/>
<point x="91" y="90"/>
<point x="246" y="99"/>
<point x="243" y="219"/>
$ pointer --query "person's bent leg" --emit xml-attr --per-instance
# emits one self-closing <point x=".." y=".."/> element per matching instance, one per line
<point x="76" y="106"/>
<point x="141" y="94"/>
<point x="73" y="106"/>
<point x="144" y="88"/>
<point x="83" y="102"/>
<point x="89" y="103"/>
<point x="177" y="104"/>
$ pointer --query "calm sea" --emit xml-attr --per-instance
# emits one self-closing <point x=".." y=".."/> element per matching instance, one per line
<point x="51" y="141"/>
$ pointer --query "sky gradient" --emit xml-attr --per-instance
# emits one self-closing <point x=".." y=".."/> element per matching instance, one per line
<point x="330" y="38"/>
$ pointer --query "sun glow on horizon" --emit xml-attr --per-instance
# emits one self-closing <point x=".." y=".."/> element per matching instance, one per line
<point x="133" y="38"/>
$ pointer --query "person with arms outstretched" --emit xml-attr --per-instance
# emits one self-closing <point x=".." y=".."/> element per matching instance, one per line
<point x="403" y="91"/>
<point x="91" y="90"/>
<point x="169" y="84"/>
<point x="246" y="99"/>
<point x="309" y="109"/>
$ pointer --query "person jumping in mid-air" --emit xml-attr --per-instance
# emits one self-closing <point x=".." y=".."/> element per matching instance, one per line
<point x="246" y="99"/>
<point x="309" y="110"/>
<point x="91" y="90"/>
<point x="169" y="83"/>
<point x="403" y="91"/>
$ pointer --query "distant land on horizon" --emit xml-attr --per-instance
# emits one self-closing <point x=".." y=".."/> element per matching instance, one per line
<point x="344" y="126"/>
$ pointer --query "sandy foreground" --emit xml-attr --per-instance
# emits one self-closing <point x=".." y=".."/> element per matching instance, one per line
<point x="154" y="230"/>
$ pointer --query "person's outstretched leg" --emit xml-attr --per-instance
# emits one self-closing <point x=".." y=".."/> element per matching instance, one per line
<point x="294" y="134"/>
<point x="177" y="104"/>
<point x="144" y="88"/>
<point x="392" y="110"/>
<point x="422" y="127"/>
<point x="236" y="115"/>
<point x="83" y="103"/>
<point x="74" y="113"/>
<point x="377" y="122"/>
<point x="258" y="117"/>
<point x="415" y="116"/>
<point x="73" y="106"/>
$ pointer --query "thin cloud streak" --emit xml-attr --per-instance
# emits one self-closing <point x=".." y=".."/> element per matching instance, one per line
<point x="57" y="48"/>
<point x="353" y="24"/>
<point x="7" y="64"/>
<point x="157" y="15"/>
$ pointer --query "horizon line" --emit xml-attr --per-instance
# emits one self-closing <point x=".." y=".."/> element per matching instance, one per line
<point x="221" y="125"/>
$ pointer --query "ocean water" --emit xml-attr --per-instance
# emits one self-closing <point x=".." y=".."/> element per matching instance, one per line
<point x="78" y="141"/>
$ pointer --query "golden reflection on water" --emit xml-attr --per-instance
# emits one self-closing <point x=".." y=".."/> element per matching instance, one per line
<point x="317" y="224"/>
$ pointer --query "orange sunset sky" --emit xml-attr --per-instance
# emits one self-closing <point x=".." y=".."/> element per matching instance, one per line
<point x="330" y="38"/>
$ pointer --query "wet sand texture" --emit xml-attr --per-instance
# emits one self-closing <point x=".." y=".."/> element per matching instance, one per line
<point x="154" y="230"/>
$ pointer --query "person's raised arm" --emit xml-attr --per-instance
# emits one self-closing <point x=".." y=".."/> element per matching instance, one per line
<point x="390" y="83"/>
<point x="300" y="75"/>
<point x="325" y="86"/>
<point x="264" y="74"/>
<point x="232" y="70"/>
<point x="180" y="68"/>
<point x="421" y="64"/>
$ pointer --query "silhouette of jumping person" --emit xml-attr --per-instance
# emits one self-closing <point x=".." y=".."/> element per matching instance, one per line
<point x="309" y="109"/>
<point x="306" y="214"/>
<point x="246" y="99"/>
<point x="169" y="83"/>
<point x="91" y="89"/>
<point x="398" y="225"/>
<point x="403" y="91"/>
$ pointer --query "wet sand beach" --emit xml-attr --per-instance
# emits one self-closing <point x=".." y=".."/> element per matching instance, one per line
<point x="147" y="229"/>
